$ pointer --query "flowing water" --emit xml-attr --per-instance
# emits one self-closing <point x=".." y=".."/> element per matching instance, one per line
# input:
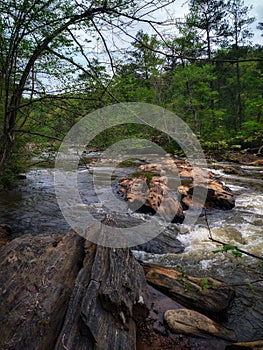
<point x="32" y="208"/>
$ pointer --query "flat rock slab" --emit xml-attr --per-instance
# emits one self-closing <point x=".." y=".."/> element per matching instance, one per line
<point x="253" y="345"/>
<point x="36" y="280"/>
<point x="203" y="294"/>
<point x="185" y="321"/>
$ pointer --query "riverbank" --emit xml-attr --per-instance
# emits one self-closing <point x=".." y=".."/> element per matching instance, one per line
<point x="61" y="292"/>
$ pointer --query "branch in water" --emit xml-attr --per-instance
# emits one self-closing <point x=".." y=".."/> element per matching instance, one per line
<point x="226" y="244"/>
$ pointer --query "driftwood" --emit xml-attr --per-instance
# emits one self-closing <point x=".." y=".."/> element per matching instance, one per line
<point x="205" y="295"/>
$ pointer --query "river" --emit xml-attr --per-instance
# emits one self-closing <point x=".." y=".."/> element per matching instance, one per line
<point x="32" y="208"/>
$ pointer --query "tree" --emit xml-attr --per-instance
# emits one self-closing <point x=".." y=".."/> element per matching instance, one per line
<point x="238" y="34"/>
<point x="38" y="41"/>
<point x="260" y="26"/>
<point x="208" y="17"/>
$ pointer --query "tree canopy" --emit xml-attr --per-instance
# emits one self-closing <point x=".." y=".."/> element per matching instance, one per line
<point x="62" y="59"/>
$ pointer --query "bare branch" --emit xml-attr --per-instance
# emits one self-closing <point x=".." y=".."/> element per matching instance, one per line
<point x="37" y="134"/>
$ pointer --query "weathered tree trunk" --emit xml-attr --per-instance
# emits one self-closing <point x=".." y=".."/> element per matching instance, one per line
<point x="56" y="293"/>
<point x="109" y="297"/>
<point x="6" y="147"/>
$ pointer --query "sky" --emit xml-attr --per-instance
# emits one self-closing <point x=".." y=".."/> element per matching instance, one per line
<point x="179" y="8"/>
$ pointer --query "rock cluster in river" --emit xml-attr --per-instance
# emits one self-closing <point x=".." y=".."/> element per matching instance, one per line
<point x="151" y="189"/>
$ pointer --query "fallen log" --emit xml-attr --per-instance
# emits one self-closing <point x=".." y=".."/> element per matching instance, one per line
<point x="206" y="295"/>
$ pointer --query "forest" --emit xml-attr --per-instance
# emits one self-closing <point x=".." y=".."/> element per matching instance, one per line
<point x="62" y="60"/>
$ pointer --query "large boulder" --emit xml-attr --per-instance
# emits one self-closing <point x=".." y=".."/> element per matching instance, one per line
<point x="193" y="323"/>
<point x="37" y="278"/>
<point x="165" y="242"/>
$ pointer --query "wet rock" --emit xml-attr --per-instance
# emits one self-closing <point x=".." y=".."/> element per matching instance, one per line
<point x="196" y="181"/>
<point x="203" y="294"/>
<point x="152" y="198"/>
<point x="109" y="298"/>
<point x="152" y="189"/>
<point x="21" y="177"/>
<point x="253" y="345"/>
<point x="218" y="196"/>
<point x="37" y="279"/>
<point x="233" y="170"/>
<point x="191" y="322"/>
<point x="256" y="162"/>
<point x="5" y="234"/>
<point x="165" y="242"/>
<point x="228" y="234"/>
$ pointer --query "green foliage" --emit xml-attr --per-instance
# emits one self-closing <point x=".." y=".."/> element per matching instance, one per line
<point x="144" y="175"/>
<point x="17" y="165"/>
<point x="221" y="101"/>
<point x="206" y="284"/>
<point x="251" y="288"/>
<point x="231" y="248"/>
<point x="184" y="279"/>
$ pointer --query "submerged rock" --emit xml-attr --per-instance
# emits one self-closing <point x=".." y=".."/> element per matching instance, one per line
<point x="193" y="323"/>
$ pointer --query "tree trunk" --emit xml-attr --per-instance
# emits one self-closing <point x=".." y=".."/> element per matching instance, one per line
<point x="6" y="147"/>
<point x="109" y="297"/>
